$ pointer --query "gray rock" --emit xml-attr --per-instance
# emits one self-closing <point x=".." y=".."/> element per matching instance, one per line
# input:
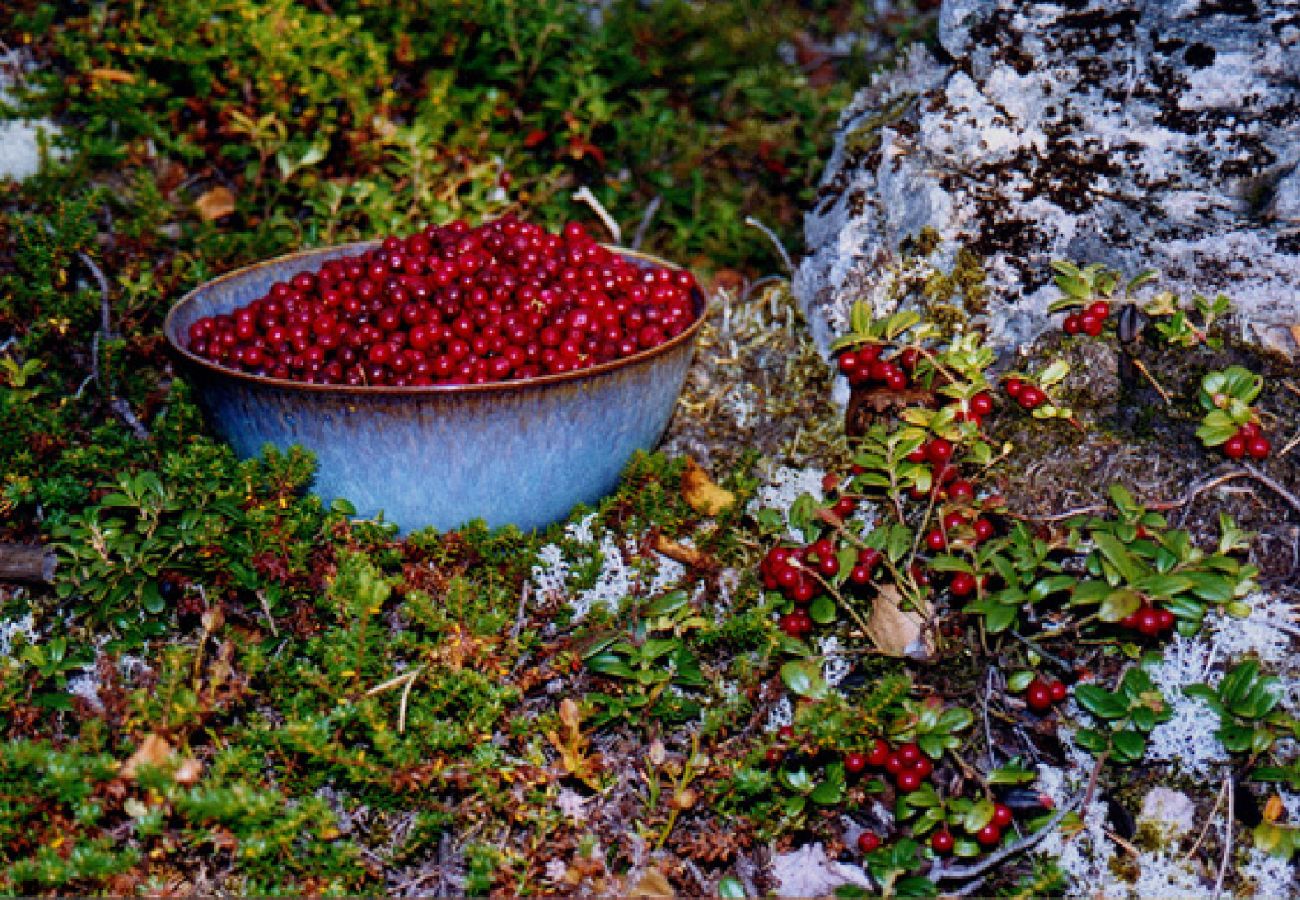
<point x="1160" y="134"/>
<point x="20" y="139"/>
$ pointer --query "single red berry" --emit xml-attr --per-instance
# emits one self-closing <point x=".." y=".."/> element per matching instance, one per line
<point x="939" y="451"/>
<point x="909" y="780"/>
<point x="1014" y="386"/>
<point x="1091" y="325"/>
<point x="909" y="358"/>
<point x="918" y="455"/>
<point x="1038" y="696"/>
<point x="894" y="763"/>
<point x="830" y="481"/>
<point x="860" y="574"/>
<point x="1058" y="691"/>
<point x="1002" y="815"/>
<point x="855" y="762"/>
<point x="1072" y="324"/>
<point x="845" y="507"/>
<point x="1099" y="309"/>
<point x="1235" y="446"/>
<point x="1031" y="397"/>
<point x="989" y="836"/>
<point x="790" y="623"/>
<point x="942" y="841"/>
<point x="1130" y="621"/>
<point x="1148" y="622"/>
<point x="909" y="753"/>
<point x="1259" y="447"/>
<point x="981" y="404"/>
<point x="983" y="529"/>
<point x="923" y="767"/>
<point x="868" y="842"/>
<point x="1164" y="619"/>
<point x="961" y="490"/>
<point x="774" y="756"/>
<point x="785" y="732"/>
<point x="962" y="584"/>
<point x="1249" y="430"/>
<point x="878" y="754"/>
<point x="869" y="557"/>
<point x="936" y="541"/>
<point x="848" y="362"/>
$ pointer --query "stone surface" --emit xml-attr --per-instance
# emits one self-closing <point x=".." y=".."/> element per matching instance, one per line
<point x="1159" y="134"/>
<point x="20" y="139"/>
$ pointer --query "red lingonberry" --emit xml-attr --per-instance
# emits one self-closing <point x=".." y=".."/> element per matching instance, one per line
<point x="942" y="841"/>
<point x="1014" y="387"/>
<point x="909" y="780"/>
<point x="935" y="540"/>
<point x="1148" y="622"/>
<point x="878" y="755"/>
<point x="1002" y="815"/>
<point x="1031" y="397"/>
<point x="855" y="762"/>
<point x="774" y="755"/>
<point x="961" y="490"/>
<point x="981" y="404"/>
<point x="1058" y="691"/>
<point x="1038" y="695"/>
<point x="1099" y="309"/>
<point x="868" y="842"/>
<point x="785" y="732"/>
<point x="989" y="836"/>
<point x="923" y="767"/>
<point x="1072" y="325"/>
<point x="1235" y="446"/>
<point x="1259" y="447"/>
<point x="1164" y="619"/>
<point x="962" y="584"/>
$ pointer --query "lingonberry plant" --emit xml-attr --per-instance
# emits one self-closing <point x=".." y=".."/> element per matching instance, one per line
<point x="455" y="305"/>
<point x="1231" y="421"/>
<point x="1089" y="294"/>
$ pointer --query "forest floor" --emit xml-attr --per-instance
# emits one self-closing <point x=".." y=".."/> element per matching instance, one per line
<point x="231" y="687"/>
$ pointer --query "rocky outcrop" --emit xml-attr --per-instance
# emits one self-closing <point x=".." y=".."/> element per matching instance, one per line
<point x="1160" y="134"/>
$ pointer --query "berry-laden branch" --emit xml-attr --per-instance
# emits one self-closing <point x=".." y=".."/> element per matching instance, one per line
<point x="963" y="873"/>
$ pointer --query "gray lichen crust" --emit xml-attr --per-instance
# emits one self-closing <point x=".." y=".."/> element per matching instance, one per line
<point x="1160" y="134"/>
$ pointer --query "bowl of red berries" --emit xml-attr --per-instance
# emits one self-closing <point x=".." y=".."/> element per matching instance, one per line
<point x="499" y="372"/>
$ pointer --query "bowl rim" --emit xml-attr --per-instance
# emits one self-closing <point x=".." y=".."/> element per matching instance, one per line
<point x="171" y="334"/>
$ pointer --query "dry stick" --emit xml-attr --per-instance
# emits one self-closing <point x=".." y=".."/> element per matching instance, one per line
<point x="117" y="404"/>
<point x="584" y="195"/>
<point x="644" y="228"/>
<point x="963" y="873"/>
<point x="519" y="614"/>
<point x="1218" y="801"/>
<point x="1277" y="487"/>
<point x="1227" y="846"/>
<point x="776" y="241"/>
<point x="1164" y="395"/>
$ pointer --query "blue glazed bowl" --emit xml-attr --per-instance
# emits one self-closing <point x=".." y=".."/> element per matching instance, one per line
<point x="522" y="452"/>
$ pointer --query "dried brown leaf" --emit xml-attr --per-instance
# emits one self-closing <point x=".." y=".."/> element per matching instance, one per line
<point x="897" y="631"/>
<point x="215" y="203"/>
<point x="114" y="75"/>
<point x="188" y="772"/>
<point x="153" y="751"/>
<point x="687" y="556"/>
<point x="701" y="493"/>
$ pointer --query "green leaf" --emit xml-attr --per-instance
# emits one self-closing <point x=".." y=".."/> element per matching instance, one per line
<point x="730" y="888"/>
<point x="151" y="599"/>
<point x="822" y="611"/>
<point x="804" y="677"/>
<point x="1020" y="680"/>
<point x="1129" y="746"/>
<point x="1054" y="373"/>
<point x="1000" y="618"/>
<point x="610" y="664"/>
<point x="1100" y="702"/>
<point x="1117" y="555"/>
<point x="1119" y="604"/>
<point x="828" y="793"/>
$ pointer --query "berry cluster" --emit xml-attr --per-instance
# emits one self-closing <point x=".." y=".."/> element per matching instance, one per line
<point x="907" y="764"/>
<point x="454" y="305"/>
<point x="1029" y="396"/>
<point x="1091" y="321"/>
<point x="864" y="365"/>
<point x="1248" y="441"/>
<point x="797" y="573"/>
<point x="1150" y="621"/>
<point x="1040" y="695"/>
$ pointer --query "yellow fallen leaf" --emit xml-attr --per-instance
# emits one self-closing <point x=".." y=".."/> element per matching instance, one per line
<point x="215" y="203"/>
<point x="701" y="493"/>
<point x="114" y="75"/>
<point x="1295" y="334"/>
<point x="153" y="751"/>
<point x="653" y="884"/>
<point x="896" y="631"/>
<point x="1273" y="809"/>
